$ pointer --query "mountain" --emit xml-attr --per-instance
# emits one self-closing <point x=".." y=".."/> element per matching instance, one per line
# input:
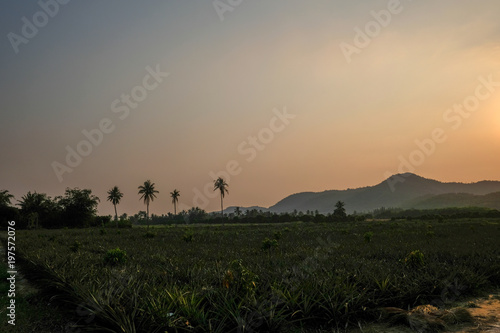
<point x="402" y="190"/>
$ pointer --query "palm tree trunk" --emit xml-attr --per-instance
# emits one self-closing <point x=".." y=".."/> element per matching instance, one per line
<point x="175" y="209"/>
<point x="147" y="214"/>
<point x="116" y="217"/>
<point x="222" y="210"/>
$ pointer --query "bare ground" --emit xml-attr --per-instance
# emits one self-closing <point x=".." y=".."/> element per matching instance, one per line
<point x="484" y="318"/>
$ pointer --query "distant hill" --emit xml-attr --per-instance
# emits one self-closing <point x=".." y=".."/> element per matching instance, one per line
<point x="403" y="190"/>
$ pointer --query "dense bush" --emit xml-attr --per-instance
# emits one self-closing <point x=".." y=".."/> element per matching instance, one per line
<point x="115" y="257"/>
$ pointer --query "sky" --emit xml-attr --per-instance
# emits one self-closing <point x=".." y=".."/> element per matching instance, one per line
<point x="278" y="97"/>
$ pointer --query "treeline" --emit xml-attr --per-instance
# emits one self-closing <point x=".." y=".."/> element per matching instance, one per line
<point x="77" y="208"/>
<point x="197" y="215"/>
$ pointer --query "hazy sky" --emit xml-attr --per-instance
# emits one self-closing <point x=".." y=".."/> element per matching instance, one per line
<point x="290" y="95"/>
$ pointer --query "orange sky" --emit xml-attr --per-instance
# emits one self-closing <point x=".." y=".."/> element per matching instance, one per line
<point x="352" y="120"/>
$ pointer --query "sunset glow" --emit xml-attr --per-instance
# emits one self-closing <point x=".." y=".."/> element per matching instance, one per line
<point x="263" y="95"/>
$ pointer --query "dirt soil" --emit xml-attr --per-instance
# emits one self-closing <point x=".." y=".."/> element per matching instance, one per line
<point x="486" y="312"/>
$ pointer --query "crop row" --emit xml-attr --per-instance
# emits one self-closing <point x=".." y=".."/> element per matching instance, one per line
<point x="258" y="278"/>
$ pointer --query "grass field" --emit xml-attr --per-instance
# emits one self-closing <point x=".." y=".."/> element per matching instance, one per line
<point x="299" y="277"/>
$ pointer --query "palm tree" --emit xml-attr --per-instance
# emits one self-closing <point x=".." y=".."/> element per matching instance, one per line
<point x="237" y="211"/>
<point x="221" y="185"/>
<point x="35" y="207"/>
<point x="114" y="195"/>
<point x="339" y="211"/>
<point x="5" y="197"/>
<point x="148" y="194"/>
<point x="175" y="198"/>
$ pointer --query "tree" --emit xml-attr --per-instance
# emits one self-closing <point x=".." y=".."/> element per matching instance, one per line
<point x="7" y="212"/>
<point x="114" y="195"/>
<point x="39" y="209"/>
<point x="221" y="185"/>
<point x="195" y="215"/>
<point x="5" y="198"/>
<point x="339" y="212"/>
<point x="79" y="207"/>
<point x="175" y="198"/>
<point x="148" y="194"/>
<point x="237" y="211"/>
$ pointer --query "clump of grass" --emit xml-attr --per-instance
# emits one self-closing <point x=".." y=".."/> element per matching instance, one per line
<point x="384" y="284"/>
<point x="240" y="278"/>
<point x="75" y="246"/>
<point x="188" y="236"/>
<point x="368" y="236"/>
<point x="415" y="259"/>
<point x="149" y="234"/>
<point x="427" y="318"/>
<point x="115" y="257"/>
<point x="269" y="244"/>
<point x="472" y="305"/>
<point x="457" y="316"/>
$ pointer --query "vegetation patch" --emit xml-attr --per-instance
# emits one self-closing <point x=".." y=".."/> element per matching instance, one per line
<point x="317" y="276"/>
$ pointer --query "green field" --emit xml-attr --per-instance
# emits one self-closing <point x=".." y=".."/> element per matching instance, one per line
<point x="298" y="277"/>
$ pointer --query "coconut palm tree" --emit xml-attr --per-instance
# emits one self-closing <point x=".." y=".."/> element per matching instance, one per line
<point x="114" y="195"/>
<point x="148" y="194"/>
<point x="221" y="185"/>
<point x="175" y="198"/>
<point x="339" y="212"/>
<point x="36" y="207"/>
<point x="5" y="198"/>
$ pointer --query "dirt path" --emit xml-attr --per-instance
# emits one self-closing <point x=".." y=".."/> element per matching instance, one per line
<point x="486" y="312"/>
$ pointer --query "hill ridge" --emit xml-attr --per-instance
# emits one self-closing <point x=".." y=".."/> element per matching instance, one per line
<point x="406" y="190"/>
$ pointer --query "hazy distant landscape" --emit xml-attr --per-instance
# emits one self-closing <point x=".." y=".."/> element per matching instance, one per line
<point x="282" y="269"/>
<point x="409" y="191"/>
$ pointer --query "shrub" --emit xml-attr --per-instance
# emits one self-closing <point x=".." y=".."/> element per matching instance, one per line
<point x="268" y="244"/>
<point x="415" y="259"/>
<point x="149" y="234"/>
<point x="188" y="236"/>
<point x="124" y="224"/>
<point x="75" y="246"/>
<point x="115" y="257"/>
<point x="368" y="236"/>
<point x="240" y="277"/>
<point x="101" y="221"/>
